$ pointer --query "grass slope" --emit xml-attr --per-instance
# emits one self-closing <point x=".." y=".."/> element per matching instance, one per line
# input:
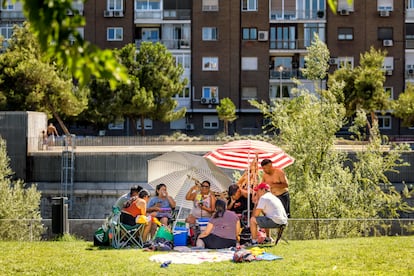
<point x="359" y="256"/>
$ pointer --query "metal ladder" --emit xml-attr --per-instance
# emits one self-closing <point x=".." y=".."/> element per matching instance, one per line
<point x="67" y="171"/>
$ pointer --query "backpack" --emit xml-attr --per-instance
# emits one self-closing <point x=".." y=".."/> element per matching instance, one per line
<point x="101" y="237"/>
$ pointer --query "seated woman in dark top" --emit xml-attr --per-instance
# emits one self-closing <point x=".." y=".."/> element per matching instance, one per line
<point x="222" y="230"/>
<point x="238" y="199"/>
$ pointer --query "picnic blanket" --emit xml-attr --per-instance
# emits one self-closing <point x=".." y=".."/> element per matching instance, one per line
<point x="197" y="256"/>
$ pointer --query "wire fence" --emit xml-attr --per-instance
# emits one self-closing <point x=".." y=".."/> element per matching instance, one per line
<point x="298" y="229"/>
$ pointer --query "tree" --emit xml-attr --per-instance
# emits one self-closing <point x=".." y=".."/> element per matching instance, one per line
<point x="31" y="81"/>
<point x="154" y="80"/>
<point x="316" y="60"/>
<point x="364" y="88"/>
<point x="19" y="205"/>
<point x="55" y="30"/>
<point x="404" y="106"/>
<point x="227" y="112"/>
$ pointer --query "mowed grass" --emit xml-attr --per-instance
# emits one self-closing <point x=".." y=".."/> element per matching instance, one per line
<point x="359" y="256"/>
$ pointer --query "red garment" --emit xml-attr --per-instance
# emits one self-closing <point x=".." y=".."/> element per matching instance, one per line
<point x="133" y="209"/>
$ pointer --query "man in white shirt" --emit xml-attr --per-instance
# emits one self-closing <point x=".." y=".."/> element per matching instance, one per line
<point x="272" y="209"/>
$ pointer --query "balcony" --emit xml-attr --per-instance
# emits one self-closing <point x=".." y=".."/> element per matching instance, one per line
<point x="177" y="14"/>
<point x="171" y="44"/>
<point x="294" y="15"/>
<point x="12" y="15"/>
<point x="287" y="74"/>
<point x="291" y="44"/>
<point x="148" y="14"/>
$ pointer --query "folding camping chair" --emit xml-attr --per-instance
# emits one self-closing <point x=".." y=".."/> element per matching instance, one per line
<point x="124" y="235"/>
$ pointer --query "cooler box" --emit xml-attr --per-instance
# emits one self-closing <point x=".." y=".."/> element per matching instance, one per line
<point x="202" y="223"/>
<point x="180" y="236"/>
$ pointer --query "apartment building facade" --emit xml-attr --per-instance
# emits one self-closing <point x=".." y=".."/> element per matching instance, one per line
<point x="251" y="49"/>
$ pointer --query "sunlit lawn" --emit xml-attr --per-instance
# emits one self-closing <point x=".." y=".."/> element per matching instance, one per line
<point x="360" y="256"/>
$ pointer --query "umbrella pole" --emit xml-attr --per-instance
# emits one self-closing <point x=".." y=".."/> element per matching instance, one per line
<point x="248" y="191"/>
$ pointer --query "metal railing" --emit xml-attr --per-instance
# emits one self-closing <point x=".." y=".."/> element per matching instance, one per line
<point x="298" y="229"/>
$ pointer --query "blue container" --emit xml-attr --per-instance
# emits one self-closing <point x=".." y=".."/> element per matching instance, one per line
<point x="202" y="223"/>
<point x="180" y="236"/>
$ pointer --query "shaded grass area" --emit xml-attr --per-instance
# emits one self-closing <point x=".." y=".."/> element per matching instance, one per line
<point x="359" y="256"/>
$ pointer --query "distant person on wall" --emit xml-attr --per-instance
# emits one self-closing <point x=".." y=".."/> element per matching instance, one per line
<point x="162" y="204"/>
<point x="51" y="133"/>
<point x="222" y="230"/>
<point x="278" y="183"/>
<point x="44" y="140"/>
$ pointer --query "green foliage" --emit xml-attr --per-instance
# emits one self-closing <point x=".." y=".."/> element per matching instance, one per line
<point x="316" y="60"/>
<point x="54" y="29"/>
<point x="19" y="205"/>
<point x="226" y="111"/>
<point x="154" y="81"/>
<point x="323" y="183"/>
<point x="404" y="106"/>
<point x="31" y="81"/>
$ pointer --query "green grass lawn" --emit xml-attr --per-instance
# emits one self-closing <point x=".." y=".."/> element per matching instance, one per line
<point x="359" y="256"/>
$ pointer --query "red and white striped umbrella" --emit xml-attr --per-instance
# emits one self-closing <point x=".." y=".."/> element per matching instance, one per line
<point x="239" y="154"/>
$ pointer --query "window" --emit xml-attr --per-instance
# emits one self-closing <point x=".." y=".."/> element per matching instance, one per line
<point x="249" y="93"/>
<point x="249" y="33"/>
<point x="114" y="34"/>
<point x="115" y="5"/>
<point x="184" y="60"/>
<point x="388" y="63"/>
<point x="283" y="37"/>
<point x="210" y="64"/>
<point x="117" y="125"/>
<point x="385" y="33"/>
<point x="385" y="5"/>
<point x="8" y="6"/>
<point x="389" y="91"/>
<point x="410" y="4"/>
<point x="345" y="5"/>
<point x="409" y="35"/>
<point x="147" y="4"/>
<point x="210" y="5"/>
<point x="147" y="124"/>
<point x="210" y="92"/>
<point x="346" y="62"/>
<point x="249" y="63"/>
<point x="210" y="122"/>
<point x="345" y="33"/>
<point x="274" y="90"/>
<point x="209" y="33"/>
<point x="249" y="5"/>
<point x="384" y="122"/>
<point x="185" y="93"/>
<point x="6" y="32"/>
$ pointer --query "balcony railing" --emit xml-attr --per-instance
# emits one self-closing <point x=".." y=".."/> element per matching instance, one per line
<point x="177" y="14"/>
<point x="171" y="44"/>
<point x="286" y="74"/>
<point x="148" y="15"/>
<point x="12" y="15"/>
<point x="297" y="15"/>
<point x="292" y="44"/>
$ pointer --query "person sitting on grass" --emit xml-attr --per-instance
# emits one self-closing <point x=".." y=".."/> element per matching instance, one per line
<point x="222" y="230"/>
<point x="161" y="205"/>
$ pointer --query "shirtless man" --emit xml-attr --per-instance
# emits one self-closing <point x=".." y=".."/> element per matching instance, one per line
<point x="278" y="183"/>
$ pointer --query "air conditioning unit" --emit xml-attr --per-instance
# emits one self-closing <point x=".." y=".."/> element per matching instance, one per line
<point x="333" y="61"/>
<point x="388" y="72"/>
<point x="384" y="13"/>
<point x="118" y="13"/>
<point x="204" y="101"/>
<point x="214" y="100"/>
<point x="387" y="42"/>
<point x="108" y="13"/>
<point x="410" y="71"/>
<point x="263" y="35"/>
<point x="344" y="12"/>
<point x="189" y="126"/>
